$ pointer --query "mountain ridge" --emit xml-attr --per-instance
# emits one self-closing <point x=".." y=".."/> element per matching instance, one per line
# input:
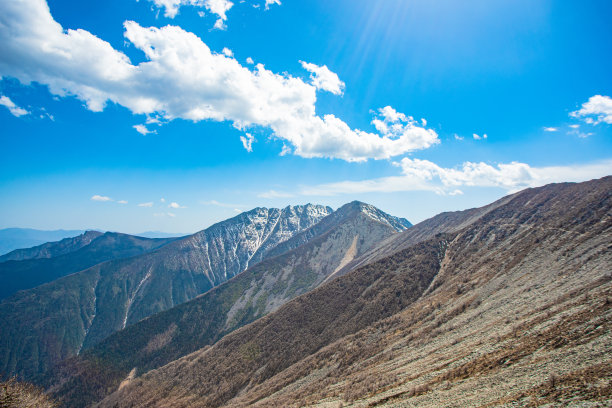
<point x="48" y="323"/>
<point x="533" y="255"/>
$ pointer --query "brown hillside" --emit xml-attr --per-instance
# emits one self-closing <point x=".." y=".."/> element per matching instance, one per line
<point x="512" y="309"/>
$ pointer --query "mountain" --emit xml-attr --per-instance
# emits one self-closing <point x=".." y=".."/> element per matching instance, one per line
<point x="15" y="238"/>
<point x="52" y="249"/>
<point x="159" y="234"/>
<point x="46" y="324"/>
<point x="53" y="260"/>
<point x="510" y="306"/>
<point x="307" y="260"/>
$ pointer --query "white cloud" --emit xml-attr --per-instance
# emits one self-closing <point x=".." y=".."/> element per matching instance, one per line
<point x="247" y="142"/>
<point x="182" y="78"/>
<point x="423" y="175"/>
<point x="122" y="202"/>
<point x="100" y="198"/>
<point x="322" y="78"/>
<point x="596" y="110"/>
<point x="478" y="137"/>
<point x="551" y="129"/>
<point x="275" y="194"/>
<point x="582" y="135"/>
<point x="220" y="25"/>
<point x="227" y="52"/>
<point x="171" y="214"/>
<point x="250" y="61"/>
<point x="457" y="137"/>
<point x="574" y="126"/>
<point x="175" y="205"/>
<point x="223" y="205"/>
<point x="142" y="129"/>
<point x="148" y="205"/>
<point x="10" y="105"/>
<point x="270" y="2"/>
<point x="163" y="200"/>
<point x="171" y="7"/>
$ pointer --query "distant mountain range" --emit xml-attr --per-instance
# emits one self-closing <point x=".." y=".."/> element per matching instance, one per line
<point x="24" y="238"/>
<point x="28" y="268"/>
<point x="48" y="323"/>
<point x="17" y="238"/>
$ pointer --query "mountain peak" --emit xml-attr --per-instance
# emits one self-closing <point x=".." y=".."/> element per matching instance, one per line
<point x="399" y="224"/>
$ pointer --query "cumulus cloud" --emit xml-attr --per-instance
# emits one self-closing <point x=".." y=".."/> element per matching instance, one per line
<point x="424" y="175"/>
<point x="10" y="105"/>
<point x="227" y="52"/>
<point x="175" y="205"/>
<point x="551" y="129"/>
<point x="182" y="78"/>
<point x="250" y="61"/>
<point x="596" y="110"/>
<point x="478" y="137"/>
<point x="247" y="142"/>
<point x="322" y="78"/>
<point x="218" y="7"/>
<point x="148" y="205"/>
<point x="100" y="198"/>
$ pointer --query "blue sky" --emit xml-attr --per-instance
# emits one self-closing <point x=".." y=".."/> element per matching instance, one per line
<point x="174" y="114"/>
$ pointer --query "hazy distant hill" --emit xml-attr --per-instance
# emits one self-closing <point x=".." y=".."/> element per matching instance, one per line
<point x="52" y="249"/>
<point x="44" y="325"/>
<point x="160" y="234"/>
<point x="51" y="261"/>
<point x="510" y="307"/>
<point x="17" y="238"/>
<point x="315" y="255"/>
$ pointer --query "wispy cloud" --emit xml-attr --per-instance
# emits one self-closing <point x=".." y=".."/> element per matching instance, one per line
<point x="247" y="142"/>
<point x="148" y="205"/>
<point x="122" y="202"/>
<point x="423" y="175"/>
<point x="10" y="105"/>
<point x="143" y="130"/>
<point x="224" y="205"/>
<point x="478" y="137"/>
<point x="97" y="197"/>
<point x="550" y="129"/>
<point x="275" y="194"/>
<point x="175" y="205"/>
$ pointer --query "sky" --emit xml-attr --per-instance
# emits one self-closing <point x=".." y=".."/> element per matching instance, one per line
<point x="171" y="115"/>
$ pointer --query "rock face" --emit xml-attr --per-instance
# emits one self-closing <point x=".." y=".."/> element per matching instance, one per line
<point x="46" y="324"/>
<point x="54" y="260"/>
<point x="506" y="306"/>
<point x="261" y="289"/>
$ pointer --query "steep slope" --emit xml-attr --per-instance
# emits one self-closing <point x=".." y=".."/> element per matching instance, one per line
<point x="46" y="324"/>
<point x="52" y="249"/>
<point x="16" y="238"/>
<point x="261" y="289"/>
<point x="513" y="308"/>
<point x="54" y="260"/>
